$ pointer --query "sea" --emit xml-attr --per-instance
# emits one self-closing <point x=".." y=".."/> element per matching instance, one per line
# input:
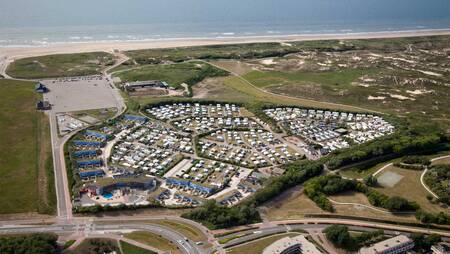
<point x="46" y="22"/>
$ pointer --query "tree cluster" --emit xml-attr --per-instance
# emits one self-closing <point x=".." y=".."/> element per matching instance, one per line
<point x="438" y="180"/>
<point x="318" y="188"/>
<point x="395" y="144"/>
<point x="423" y="243"/>
<point x="339" y="235"/>
<point x="393" y="204"/>
<point x="215" y="216"/>
<point x="433" y="218"/>
<point x="29" y="244"/>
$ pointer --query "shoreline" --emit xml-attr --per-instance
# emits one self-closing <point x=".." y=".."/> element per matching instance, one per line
<point x="16" y="52"/>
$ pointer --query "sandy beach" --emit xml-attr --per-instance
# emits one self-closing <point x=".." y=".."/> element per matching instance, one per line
<point x="11" y="53"/>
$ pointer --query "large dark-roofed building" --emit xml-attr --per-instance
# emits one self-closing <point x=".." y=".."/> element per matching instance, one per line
<point x="139" y="85"/>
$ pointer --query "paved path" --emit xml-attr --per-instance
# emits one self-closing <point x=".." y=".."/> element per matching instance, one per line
<point x="424" y="173"/>
<point x="320" y="239"/>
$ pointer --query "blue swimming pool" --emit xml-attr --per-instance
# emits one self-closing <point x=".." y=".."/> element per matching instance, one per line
<point x="107" y="195"/>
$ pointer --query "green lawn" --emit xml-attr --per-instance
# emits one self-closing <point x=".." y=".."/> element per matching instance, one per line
<point x="25" y="156"/>
<point x="61" y="65"/>
<point x="132" y="249"/>
<point x="337" y="79"/>
<point x="174" y="74"/>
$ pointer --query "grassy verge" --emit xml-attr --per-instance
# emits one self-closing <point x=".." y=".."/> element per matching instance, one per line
<point x="61" y="65"/>
<point x="185" y="229"/>
<point x="154" y="240"/>
<point x="132" y="249"/>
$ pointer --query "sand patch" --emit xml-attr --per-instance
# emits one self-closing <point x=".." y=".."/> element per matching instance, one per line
<point x="376" y="97"/>
<point x="269" y="61"/>
<point x="400" y="97"/>
<point x="430" y="73"/>
<point x="389" y="179"/>
<point x="418" y="92"/>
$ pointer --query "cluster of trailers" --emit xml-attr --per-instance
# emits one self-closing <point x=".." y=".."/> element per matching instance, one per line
<point x="201" y="151"/>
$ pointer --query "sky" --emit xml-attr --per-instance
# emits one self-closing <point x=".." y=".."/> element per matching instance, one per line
<point x="29" y="13"/>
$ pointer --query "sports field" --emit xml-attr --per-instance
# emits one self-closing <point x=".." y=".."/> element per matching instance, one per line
<point x="26" y="172"/>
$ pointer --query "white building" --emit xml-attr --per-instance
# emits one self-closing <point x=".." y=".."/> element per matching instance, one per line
<point x="394" y="245"/>
<point x="292" y="245"/>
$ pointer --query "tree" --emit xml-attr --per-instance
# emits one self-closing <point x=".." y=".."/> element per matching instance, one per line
<point x="370" y="180"/>
<point x="424" y="243"/>
<point x="338" y="234"/>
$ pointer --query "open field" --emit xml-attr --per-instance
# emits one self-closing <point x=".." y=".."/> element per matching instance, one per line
<point x="132" y="249"/>
<point x="242" y="86"/>
<point x="331" y="80"/>
<point x="174" y="74"/>
<point x="257" y="246"/>
<point x="26" y="174"/>
<point x="441" y="161"/>
<point x="154" y="241"/>
<point x="61" y="65"/>
<point x="410" y="188"/>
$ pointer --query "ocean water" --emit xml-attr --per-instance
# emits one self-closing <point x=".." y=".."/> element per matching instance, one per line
<point x="43" y="22"/>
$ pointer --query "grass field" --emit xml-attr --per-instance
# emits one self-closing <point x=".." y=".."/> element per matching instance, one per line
<point x="61" y="65"/>
<point x="174" y="74"/>
<point x="336" y="79"/>
<point x="132" y="249"/>
<point x="26" y="172"/>
<point x="154" y="241"/>
<point x="257" y="246"/>
<point x="257" y="95"/>
<point x="410" y="188"/>
<point x="293" y="204"/>
<point x="183" y="228"/>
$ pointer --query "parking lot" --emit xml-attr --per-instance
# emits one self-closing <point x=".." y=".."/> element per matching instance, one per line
<point x="79" y="93"/>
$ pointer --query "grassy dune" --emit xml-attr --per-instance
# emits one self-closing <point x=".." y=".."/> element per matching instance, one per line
<point x="61" y="65"/>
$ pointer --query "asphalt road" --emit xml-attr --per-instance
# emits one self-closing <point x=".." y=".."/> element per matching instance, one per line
<point x="186" y="246"/>
<point x="258" y="233"/>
